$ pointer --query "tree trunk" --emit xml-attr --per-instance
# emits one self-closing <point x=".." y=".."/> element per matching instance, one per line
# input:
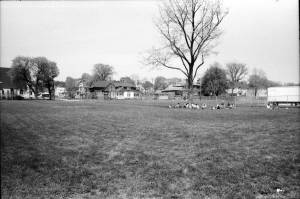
<point x="35" y="91"/>
<point x="190" y="89"/>
<point x="50" y="94"/>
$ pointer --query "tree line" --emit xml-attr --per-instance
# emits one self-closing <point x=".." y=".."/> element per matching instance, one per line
<point x="38" y="73"/>
<point x="218" y="79"/>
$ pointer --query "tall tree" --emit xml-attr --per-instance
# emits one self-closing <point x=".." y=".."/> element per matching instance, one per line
<point x="127" y="80"/>
<point x="160" y="83"/>
<point x="102" y="72"/>
<point x="236" y="72"/>
<point x="258" y="80"/>
<point x="214" y="81"/>
<point x="60" y="84"/>
<point x="189" y="29"/>
<point x="36" y="73"/>
<point x="87" y="79"/>
<point x="71" y="86"/>
<point x="24" y="72"/>
<point x="147" y="85"/>
<point x="48" y="70"/>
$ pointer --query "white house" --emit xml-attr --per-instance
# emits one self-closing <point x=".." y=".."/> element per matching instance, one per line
<point x="60" y="91"/>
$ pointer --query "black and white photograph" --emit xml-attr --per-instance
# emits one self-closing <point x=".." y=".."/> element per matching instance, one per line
<point x="150" y="99"/>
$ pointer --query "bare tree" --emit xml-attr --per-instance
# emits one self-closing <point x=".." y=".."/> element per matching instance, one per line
<point x="236" y="72"/>
<point x="188" y="28"/>
<point x="258" y="80"/>
<point x="102" y="72"/>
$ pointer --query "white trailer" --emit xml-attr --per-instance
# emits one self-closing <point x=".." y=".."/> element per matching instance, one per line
<point x="284" y="96"/>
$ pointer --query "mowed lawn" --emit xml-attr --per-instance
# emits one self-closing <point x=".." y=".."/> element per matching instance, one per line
<point x="136" y="149"/>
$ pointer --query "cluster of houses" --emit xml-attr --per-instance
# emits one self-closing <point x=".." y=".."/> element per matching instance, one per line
<point x="109" y="90"/>
<point x="98" y="89"/>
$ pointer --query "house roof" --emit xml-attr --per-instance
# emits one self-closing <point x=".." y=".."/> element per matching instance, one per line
<point x="5" y="79"/>
<point x="123" y="84"/>
<point x="104" y="84"/>
<point x="100" y="84"/>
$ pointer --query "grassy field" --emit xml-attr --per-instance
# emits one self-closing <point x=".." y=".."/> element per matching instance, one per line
<point x="121" y="149"/>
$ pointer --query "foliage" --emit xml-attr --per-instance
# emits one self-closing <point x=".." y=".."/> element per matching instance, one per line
<point x="147" y="85"/>
<point x="24" y="73"/>
<point x="127" y="80"/>
<point x="102" y="72"/>
<point x="258" y="80"/>
<point x="214" y="81"/>
<point x="71" y="86"/>
<point x="291" y="84"/>
<point x="60" y="84"/>
<point x="273" y="83"/>
<point x="189" y="29"/>
<point x="36" y="73"/>
<point x="87" y="79"/>
<point x="47" y="72"/>
<point x="160" y="83"/>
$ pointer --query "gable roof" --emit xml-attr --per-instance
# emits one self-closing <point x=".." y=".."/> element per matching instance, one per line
<point x="104" y="84"/>
<point x="5" y="79"/>
<point x="101" y="84"/>
<point x="124" y="84"/>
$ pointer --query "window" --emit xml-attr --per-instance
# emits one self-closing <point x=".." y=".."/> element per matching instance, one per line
<point x="128" y="94"/>
<point x="21" y="92"/>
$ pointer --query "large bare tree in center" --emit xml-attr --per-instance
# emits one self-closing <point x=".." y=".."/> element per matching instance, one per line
<point x="188" y="28"/>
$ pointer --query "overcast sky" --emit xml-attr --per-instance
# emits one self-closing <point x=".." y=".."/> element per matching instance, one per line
<point x="77" y="35"/>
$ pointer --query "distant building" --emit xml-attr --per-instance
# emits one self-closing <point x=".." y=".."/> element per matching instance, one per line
<point x="114" y="90"/>
<point x="237" y="92"/>
<point x="60" y="91"/>
<point x="140" y="88"/>
<point x="180" y="90"/>
<point x="262" y="92"/>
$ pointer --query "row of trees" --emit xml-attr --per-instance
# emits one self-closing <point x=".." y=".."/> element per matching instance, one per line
<point x="36" y="73"/>
<point x="217" y="79"/>
<point x="214" y="82"/>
